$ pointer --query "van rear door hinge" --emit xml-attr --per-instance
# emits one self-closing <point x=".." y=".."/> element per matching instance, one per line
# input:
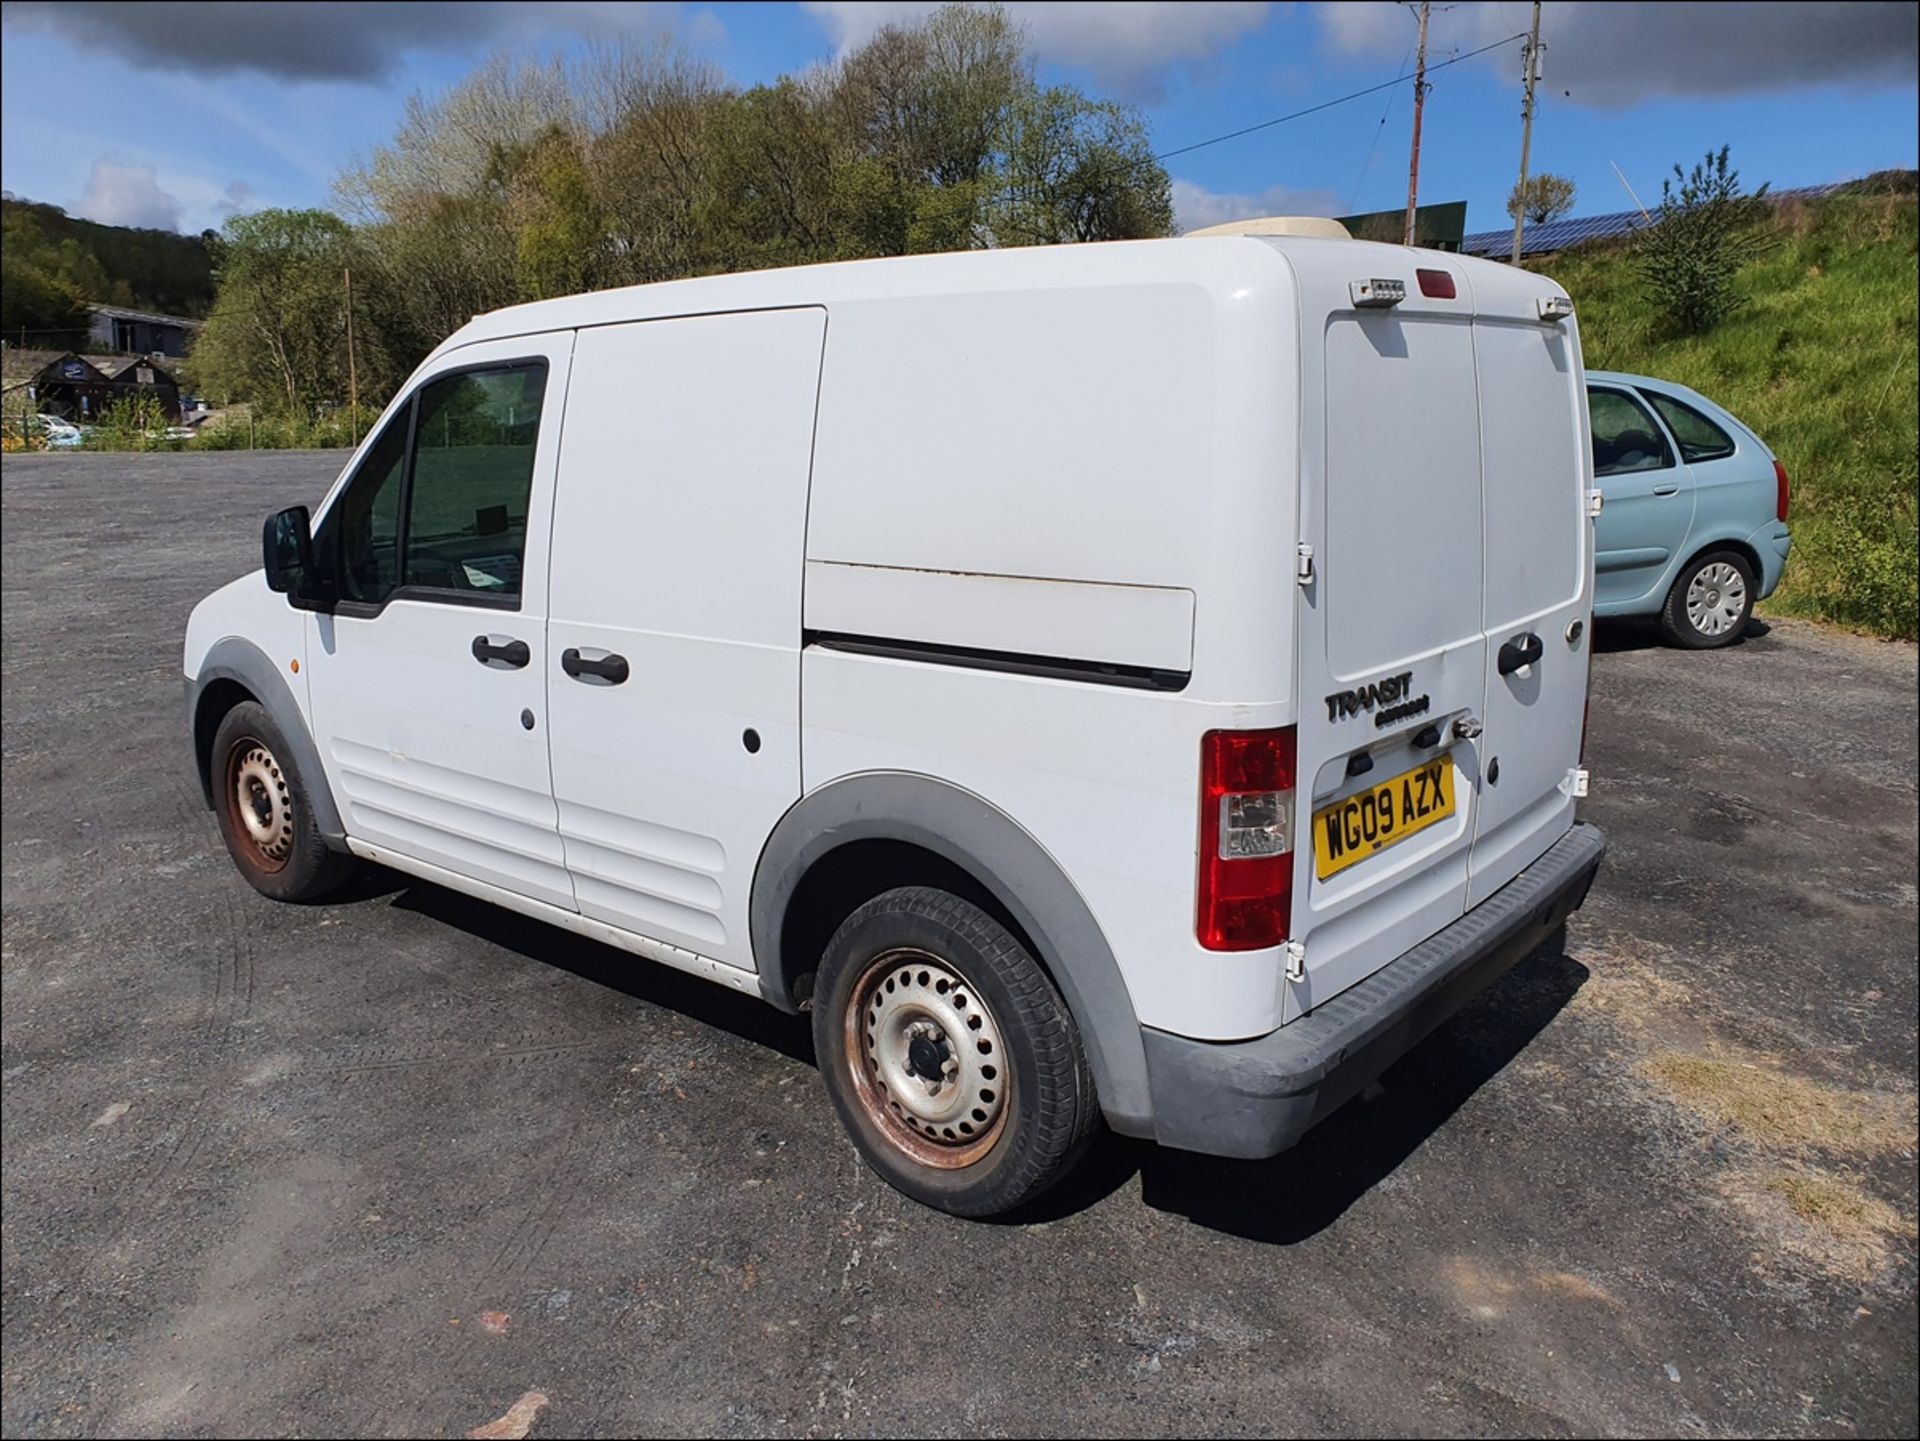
<point x="1595" y="500"/>
<point x="1575" y="785"/>
<point x="1303" y="564"/>
<point x="1296" y="960"/>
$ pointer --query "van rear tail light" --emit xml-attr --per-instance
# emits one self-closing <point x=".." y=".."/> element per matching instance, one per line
<point x="1780" y="492"/>
<point x="1246" y="839"/>
<point x="1436" y="284"/>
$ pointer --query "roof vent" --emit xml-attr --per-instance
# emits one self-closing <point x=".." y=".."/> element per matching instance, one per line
<point x="1315" y="225"/>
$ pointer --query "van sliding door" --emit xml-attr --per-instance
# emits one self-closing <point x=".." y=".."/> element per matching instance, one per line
<point x="678" y="551"/>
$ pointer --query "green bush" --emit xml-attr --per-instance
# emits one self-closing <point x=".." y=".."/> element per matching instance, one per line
<point x="1704" y="232"/>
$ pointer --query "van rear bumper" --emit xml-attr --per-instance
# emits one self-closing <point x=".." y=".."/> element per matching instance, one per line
<point x="1255" y="1098"/>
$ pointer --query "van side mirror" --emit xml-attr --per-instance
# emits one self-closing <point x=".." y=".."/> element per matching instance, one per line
<point x="286" y="544"/>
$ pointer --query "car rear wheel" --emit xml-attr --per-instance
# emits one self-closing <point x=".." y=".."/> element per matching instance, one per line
<point x="1710" y="603"/>
<point x="948" y="1054"/>
<point x="265" y="816"/>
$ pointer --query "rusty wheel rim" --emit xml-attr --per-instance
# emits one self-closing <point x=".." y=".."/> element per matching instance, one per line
<point x="259" y="805"/>
<point x="927" y="1059"/>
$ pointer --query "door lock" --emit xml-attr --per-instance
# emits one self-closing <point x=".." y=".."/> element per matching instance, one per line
<point x="1466" y="728"/>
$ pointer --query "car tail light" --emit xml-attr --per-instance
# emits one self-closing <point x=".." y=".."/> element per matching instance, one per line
<point x="1780" y="492"/>
<point x="1246" y="839"/>
<point x="1436" y="284"/>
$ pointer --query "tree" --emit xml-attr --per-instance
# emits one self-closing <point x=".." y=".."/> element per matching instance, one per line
<point x="1547" y="197"/>
<point x="639" y="163"/>
<point x="1079" y="170"/>
<point x="1705" y="230"/>
<point x="277" y="334"/>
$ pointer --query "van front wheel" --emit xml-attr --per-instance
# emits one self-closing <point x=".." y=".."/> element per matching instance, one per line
<point x="264" y="814"/>
<point x="950" y="1057"/>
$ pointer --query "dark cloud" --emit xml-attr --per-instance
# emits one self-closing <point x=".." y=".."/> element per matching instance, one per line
<point x="315" y="39"/>
<point x="1624" y="52"/>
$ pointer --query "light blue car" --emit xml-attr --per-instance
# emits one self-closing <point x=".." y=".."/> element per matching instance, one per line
<point x="1694" y="525"/>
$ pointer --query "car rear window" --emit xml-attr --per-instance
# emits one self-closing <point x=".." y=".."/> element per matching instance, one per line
<point x="1700" y="439"/>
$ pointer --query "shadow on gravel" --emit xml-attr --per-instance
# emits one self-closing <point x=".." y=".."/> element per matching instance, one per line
<point x="1283" y="1201"/>
<point x="1300" y="1193"/>
<point x="745" y="1016"/>
<point x="1614" y="635"/>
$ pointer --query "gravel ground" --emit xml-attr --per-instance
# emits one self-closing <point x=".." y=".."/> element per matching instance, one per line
<point x="384" y="1167"/>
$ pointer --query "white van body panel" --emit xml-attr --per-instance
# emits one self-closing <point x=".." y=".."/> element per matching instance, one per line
<point x="244" y="607"/>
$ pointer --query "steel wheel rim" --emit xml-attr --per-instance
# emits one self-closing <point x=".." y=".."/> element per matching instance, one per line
<point x="927" y="1059"/>
<point x="1716" y="598"/>
<point x="259" y="804"/>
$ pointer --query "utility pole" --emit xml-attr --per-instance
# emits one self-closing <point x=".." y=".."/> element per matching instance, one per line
<point x="1419" y="99"/>
<point x="1531" y="64"/>
<point x="353" y="384"/>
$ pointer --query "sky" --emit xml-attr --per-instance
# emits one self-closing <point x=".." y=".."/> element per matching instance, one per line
<point x="180" y="116"/>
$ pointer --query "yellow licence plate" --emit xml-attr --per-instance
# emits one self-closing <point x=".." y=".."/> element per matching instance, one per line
<point x="1367" y="822"/>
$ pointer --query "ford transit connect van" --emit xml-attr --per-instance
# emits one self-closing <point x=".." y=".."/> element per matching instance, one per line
<point x="1138" y="681"/>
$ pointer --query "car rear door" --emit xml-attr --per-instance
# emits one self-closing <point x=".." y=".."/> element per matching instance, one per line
<point x="1649" y="496"/>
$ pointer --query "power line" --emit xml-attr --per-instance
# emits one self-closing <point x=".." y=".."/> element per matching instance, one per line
<point x="1353" y="201"/>
<point x="1329" y="104"/>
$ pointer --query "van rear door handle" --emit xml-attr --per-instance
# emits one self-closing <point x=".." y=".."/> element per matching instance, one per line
<point x="1666" y="490"/>
<point x="1522" y="650"/>
<point x="610" y="668"/>
<point x="512" y="654"/>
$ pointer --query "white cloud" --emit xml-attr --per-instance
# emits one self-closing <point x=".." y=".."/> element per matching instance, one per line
<point x="1195" y="206"/>
<point x="1126" y="47"/>
<point x="121" y="194"/>
<point x="1626" y="51"/>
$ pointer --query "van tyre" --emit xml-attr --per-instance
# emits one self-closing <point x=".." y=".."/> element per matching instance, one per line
<point x="1710" y="603"/>
<point x="950" y="1057"/>
<point x="265" y="816"/>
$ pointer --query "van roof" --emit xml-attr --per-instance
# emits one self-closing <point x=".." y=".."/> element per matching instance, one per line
<point x="1223" y="262"/>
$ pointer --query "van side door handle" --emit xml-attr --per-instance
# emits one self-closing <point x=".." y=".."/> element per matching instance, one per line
<point x="610" y="668"/>
<point x="1668" y="489"/>
<point x="1522" y="650"/>
<point x="513" y="654"/>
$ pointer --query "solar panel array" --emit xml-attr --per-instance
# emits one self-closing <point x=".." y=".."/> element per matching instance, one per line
<point x="1559" y="234"/>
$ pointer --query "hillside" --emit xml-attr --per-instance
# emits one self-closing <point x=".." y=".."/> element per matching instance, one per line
<point x="54" y="261"/>
<point x="1821" y="361"/>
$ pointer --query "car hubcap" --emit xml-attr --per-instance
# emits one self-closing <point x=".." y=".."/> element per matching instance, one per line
<point x="927" y="1059"/>
<point x="1716" y="599"/>
<point x="260" y="803"/>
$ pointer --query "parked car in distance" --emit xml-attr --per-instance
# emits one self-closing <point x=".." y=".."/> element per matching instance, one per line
<point x="1140" y="681"/>
<point x="1693" y="529"/>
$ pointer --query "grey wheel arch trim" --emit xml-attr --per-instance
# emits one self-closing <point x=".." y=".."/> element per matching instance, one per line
<point x="991" y="846"/>
<point x="244" y="663"/>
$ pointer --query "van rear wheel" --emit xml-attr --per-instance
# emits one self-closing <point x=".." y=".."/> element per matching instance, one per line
<point x="265" y="816"/>
<point x="950" y="1057"/>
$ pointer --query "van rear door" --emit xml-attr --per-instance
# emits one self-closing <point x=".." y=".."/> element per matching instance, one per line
<point x="1441" y="682"/>
<point x="1392" y="641"/>
<point x="1536" y="467"/>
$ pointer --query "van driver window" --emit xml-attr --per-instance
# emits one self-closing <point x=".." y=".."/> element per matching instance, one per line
<point x="472" y="479"/>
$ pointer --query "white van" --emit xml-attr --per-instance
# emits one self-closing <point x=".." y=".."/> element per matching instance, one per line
<point x="1140" y="681"/>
